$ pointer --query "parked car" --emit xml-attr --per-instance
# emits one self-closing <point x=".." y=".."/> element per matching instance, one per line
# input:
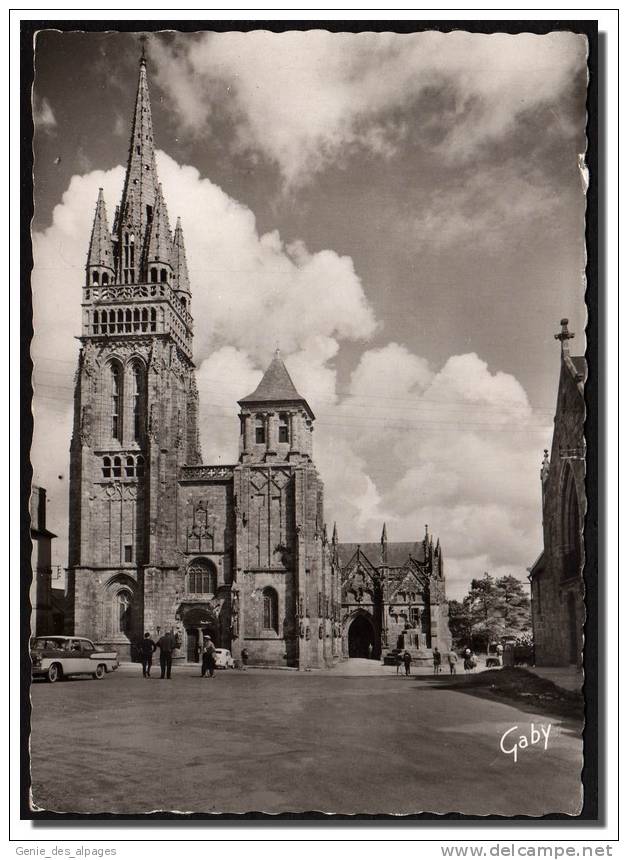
<point x="57" y="657"/>
<point x="224" y="660"/>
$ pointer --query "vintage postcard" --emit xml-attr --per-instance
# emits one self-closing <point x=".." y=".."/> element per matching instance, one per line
<point x="310" y="380"/>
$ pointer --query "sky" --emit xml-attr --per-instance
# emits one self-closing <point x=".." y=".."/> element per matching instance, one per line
<point x="402" y="214"/>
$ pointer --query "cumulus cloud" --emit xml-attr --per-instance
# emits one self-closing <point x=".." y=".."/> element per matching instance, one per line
<point x="305" y="100"/>
<point x="456" y="446"/>
<point x="43" y="116"/>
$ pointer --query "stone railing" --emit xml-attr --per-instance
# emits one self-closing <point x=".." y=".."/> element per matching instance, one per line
<point x="206" y="473"/>
<point x="133" y="292"/>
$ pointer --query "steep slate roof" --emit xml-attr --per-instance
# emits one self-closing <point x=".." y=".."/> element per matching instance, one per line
<point x="275" y="386"/>
<point x="397" y="553"/>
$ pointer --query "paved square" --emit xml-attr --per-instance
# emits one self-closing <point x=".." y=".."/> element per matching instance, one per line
<point x="277" y="741"/>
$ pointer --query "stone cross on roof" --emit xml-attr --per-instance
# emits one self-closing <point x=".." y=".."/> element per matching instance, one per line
<point x="564" y="335"/>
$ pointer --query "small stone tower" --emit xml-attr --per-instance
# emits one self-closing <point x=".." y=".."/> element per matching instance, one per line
<point x="287" y="593"/>
<point x="135" y="405"/>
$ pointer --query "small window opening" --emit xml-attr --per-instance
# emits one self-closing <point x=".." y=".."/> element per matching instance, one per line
<point x="128" y="552"/>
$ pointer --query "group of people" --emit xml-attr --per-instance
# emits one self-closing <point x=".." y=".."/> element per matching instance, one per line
<point x="167" y="644"/>
<point x="451" y="657"/>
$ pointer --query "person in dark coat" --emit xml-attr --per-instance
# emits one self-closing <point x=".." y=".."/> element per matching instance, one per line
<point x="407" y="661"/>
<point x="147" y="649"/>
<point x="437" y="660"/>
<point x="209" y="657"/>
<point x="166" y="645"/>
<point x="244" y="656"/>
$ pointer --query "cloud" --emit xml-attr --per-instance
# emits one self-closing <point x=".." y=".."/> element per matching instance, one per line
<point x="456" y="446"/>
<point x="306" y="100"/>
<point x="488" y="209"/>
<point x="43" y="116"/>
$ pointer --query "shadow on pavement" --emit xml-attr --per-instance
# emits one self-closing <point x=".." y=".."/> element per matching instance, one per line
<point x="517" y="687"/>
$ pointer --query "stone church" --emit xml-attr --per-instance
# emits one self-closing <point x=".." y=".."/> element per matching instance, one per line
<point x="160" y="541"/>
<point x="558" y="609"/>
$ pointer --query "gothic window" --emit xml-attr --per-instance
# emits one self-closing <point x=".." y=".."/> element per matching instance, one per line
<point x="123" y="600"/>
<point x="137" y="402"/>
<point x="153" y="275"/>
<point x="128" y="318"/>
<point x="260" y="429"/>
<point x="126" y="251"/>
<point x="105" y="278"/>
<point x="284" y="431"/>
<point x="94" y="277"/>
<point x="270" y="612"/>
<point x="112" y="322"/>
<point x="201" y="577"/>
<point x="106" y="467"/>
<point x="137" y="149"/>
<point x="184" y="301"/>
<point x="136" y="319"/>
<point x="153" y="319"/>
<point x="415" y="618"/>
<point x="116" y="427"/>
<point x="164" y="276"/>
<point x="128" y="553"/>
<point x="129" y="469"/>
<point x="149" y="209"/>
<point x="95" y="324"/>
<point x="144" y="319"/>
<point x="120" y="320"/>
<point x="571" y="530"/>
<point x="117" y="467"/>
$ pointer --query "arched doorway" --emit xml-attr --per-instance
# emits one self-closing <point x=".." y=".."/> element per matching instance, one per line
<point x="360" y="636"/>
<point x="199" y="621"/>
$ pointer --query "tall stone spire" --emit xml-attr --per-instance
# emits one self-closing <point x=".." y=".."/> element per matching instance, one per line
<point x="100" y="254"/>
<point x="141" y="183"/>
<point x="159" y="242"/>
<point x="180" y="277"/>
<point x="384" y="543"/>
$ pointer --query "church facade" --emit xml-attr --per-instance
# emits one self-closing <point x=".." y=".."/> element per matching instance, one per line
<point x="556" y="577"/>
<point x="158" y="540"/>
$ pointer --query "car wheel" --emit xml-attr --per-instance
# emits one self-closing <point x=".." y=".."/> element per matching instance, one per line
<point x="99" y="674"/>
<point x="55" y="673"/>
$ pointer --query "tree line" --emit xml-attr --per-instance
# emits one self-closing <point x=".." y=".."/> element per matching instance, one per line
<point x="492" y="609"/>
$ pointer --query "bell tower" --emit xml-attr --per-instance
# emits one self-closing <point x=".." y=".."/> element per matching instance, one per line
<point x="135" y="403"/>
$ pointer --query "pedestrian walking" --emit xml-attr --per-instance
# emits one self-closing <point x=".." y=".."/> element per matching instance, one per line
<point x="370" y="651"/>
<point x="398" y="661"/>
<point x="437" y="660"/>
<point x="209" y="657"/>
<point x="452" y="659"/>
<point x="147" y="649"/>
<point x="244" y="657"/>
<point x="166" y="645"/>
<point x="407" y="661"/>
<point x="469" y="662"/>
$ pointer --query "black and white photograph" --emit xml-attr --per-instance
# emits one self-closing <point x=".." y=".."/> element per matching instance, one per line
<point x="311" y="499"/>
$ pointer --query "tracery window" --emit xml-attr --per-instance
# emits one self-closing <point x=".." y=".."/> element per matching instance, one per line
<point x="270" y="614"/>
<point x="260" y="430"/>
<point x="116" y="424"/>
<point x="136" y="404"/>
<point x="201" y="577"/>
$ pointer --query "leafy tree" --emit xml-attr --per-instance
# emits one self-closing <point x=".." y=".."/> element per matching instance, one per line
<point x="492" y="608"/>
<point x="514" y="602"/>
<point x="460" y="623"/>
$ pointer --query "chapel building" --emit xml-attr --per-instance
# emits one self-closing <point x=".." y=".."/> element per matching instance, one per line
<point x="556" y="577"/>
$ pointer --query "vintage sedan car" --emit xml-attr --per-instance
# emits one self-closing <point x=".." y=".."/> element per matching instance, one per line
<point x="57" y="657"/>
<point x="224" y="660"/>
